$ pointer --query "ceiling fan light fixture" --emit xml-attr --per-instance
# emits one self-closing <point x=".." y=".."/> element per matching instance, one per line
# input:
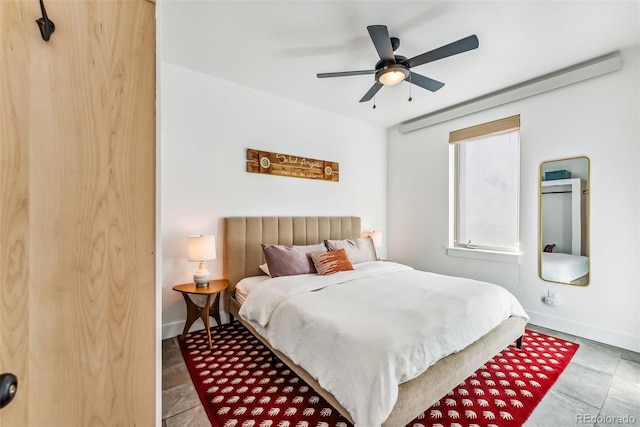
<point x="392" y="75"/>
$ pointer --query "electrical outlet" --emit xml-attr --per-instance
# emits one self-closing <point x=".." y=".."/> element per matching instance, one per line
<point x="552" y="301"/>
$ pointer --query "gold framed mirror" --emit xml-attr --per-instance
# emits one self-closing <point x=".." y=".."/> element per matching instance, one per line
<point x="564" y="221"/>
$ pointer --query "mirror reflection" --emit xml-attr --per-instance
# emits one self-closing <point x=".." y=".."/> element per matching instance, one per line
<point x="564" y="221"/>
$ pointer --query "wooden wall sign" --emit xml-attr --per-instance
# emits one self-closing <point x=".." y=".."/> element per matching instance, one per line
<point x="288" y="165"/>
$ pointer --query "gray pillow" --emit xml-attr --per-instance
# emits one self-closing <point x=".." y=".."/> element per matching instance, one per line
<point x="291" y="260"/>
<point x="358" y="250"/>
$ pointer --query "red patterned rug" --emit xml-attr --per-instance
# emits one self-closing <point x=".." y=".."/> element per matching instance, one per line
<point x="240" y="387"/>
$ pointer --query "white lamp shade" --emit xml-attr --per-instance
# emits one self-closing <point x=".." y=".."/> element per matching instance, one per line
<point x="376" y="236"/>
<point x="201" y="248"/>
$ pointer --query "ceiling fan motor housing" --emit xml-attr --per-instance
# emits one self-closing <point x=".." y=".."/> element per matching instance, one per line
<point x="397" y="59"/>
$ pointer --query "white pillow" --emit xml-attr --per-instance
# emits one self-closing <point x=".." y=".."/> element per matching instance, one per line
<point x="265" y="268"/>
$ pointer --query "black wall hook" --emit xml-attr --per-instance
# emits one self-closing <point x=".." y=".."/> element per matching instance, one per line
<point x="47" y="27"/>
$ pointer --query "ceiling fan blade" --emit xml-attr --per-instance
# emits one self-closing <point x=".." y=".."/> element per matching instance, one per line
<point x="424" y="82"/>
<point x="371" y="92"/>
<point x="345" y="73"/>
<point x="382" y="42"/>
<point x="454" y="48"/>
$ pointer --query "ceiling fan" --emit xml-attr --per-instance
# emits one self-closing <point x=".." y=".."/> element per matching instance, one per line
<point x="393" y="69"/>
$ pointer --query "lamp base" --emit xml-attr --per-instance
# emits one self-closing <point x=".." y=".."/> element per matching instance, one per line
<point x="202" y="279"/>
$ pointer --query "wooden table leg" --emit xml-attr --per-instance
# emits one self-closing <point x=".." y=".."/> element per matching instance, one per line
<point x="204" y="315"/>
<point x="193" y="313"/>
<point x="214" y="311"/>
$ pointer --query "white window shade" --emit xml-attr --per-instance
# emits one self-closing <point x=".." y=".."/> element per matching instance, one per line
<point x="487" y="171"/>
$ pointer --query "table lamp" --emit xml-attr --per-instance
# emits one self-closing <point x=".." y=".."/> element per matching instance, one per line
<point x="376" y="236"/>
<point x="201" y="248"/>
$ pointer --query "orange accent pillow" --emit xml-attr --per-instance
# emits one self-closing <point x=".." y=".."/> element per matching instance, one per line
<point x="331" y="262"/>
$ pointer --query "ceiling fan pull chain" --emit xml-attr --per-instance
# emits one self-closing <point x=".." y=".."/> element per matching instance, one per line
<point x="374" y="102"/>
<point x="410" y="98"/>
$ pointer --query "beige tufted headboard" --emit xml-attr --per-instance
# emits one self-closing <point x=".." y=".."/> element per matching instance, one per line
<point x="243" y="236"/>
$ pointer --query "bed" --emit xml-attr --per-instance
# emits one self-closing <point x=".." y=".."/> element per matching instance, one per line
<point x="565" y="268"/>
<point x="242" y="257"/>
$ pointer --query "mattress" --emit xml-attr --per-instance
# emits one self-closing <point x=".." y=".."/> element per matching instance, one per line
<point x="248" y="284"/>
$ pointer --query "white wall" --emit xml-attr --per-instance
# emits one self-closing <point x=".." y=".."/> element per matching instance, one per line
<point x="207" y="125"/>
<point x="598" y="118"/>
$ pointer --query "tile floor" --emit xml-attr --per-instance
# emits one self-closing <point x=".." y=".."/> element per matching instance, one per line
<point x="600" y="386"/>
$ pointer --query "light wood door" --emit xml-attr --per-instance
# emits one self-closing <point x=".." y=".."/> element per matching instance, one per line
<point x="77" y="213"/>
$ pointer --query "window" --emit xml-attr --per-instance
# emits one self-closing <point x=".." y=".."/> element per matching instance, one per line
<point x="486" y="175"/>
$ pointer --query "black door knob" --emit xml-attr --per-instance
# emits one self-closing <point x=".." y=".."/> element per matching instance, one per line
<point x="8" y="388"/>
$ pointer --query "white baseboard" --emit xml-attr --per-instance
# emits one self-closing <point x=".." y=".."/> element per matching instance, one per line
<point x="171" y="330"/>
<point x="584" y="330"/>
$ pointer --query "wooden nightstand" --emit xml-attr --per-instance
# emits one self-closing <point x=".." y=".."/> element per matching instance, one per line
<point x="195" y="311"/>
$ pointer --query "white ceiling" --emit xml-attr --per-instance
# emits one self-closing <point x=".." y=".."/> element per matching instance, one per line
<point x="278" y="46"/>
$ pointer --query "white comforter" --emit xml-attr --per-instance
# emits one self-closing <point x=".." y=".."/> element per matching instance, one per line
<point x="362" y="333"/>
